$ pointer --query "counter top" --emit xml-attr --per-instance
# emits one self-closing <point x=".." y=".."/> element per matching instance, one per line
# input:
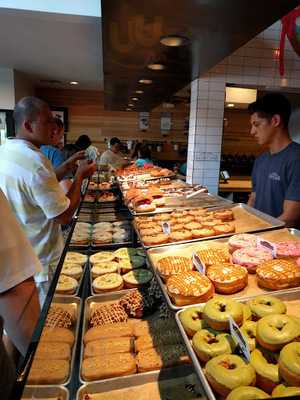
<point x="236" y="184"/>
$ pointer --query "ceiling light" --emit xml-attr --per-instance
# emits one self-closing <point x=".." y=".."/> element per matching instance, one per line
<point x="139" y="91"/>
<point x="145" y="81"/>
<point x="156" y="66"/>
<point x="130" y="105"/>
<point x="134" y="99"/>
<point x="231" y="105"/>
<point x="74" y="83"/>
<point x="128" y="109"/>
<point x="174" y="40"/>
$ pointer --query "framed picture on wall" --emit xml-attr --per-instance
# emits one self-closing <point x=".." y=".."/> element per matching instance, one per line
<point x="61" y="113"/>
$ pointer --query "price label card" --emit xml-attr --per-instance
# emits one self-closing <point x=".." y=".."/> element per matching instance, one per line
<point x="166" y="228"/>
<point x="198" y="264"/>
<point x="266" y="245"/>
<point x="239" y="339"/>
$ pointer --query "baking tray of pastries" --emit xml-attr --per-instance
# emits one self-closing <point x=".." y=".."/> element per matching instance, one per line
<point x="72" y="274"/>
<point x="81" y="236"/>
<point x="269" y="333"/>
<point x="122" y="269"/>
<point x="160" y="202"/>
<point x="124" y="334"/>
<point x="192" y="225"/>
<point x="237" y="267"/>
<point x="54" y="359"/>
<point x="174" y="384"/>
<point x="45" y="392"/>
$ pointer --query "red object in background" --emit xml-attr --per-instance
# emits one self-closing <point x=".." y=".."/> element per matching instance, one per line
<point x="291" y="29"/>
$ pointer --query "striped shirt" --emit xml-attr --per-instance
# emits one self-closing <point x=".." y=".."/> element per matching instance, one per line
<point x="30" y="185"/>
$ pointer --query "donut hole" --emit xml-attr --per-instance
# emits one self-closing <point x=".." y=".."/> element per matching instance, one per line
<point x="196" y="315"/>
<point x="228" y="365"/>
<point x="211" y="340"/>
<point x="280" y="327"/>
<point x="222" y="307"/>
<point x="250" y="334"/>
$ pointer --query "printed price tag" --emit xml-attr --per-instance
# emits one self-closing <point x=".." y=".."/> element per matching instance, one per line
<point x="166" y="228"/>
<point x="265" y="244"/>
<point x="198" y="264"/>
<point x="239" y="338"/>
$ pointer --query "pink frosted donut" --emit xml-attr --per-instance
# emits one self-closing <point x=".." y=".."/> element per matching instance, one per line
<point x="251" y="257"/>
<point x="288" y="248"/>
<point x="241" y="241"/>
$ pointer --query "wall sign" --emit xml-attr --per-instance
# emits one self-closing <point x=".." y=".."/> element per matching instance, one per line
<point x="165" y="123"/>
<point x="144" y="121"/>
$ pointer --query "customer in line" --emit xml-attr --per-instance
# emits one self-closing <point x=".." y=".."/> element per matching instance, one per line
<point x="84" y="143"/>
<point x="113" y="155"/>
<point x="276" y="173"/>
<point x="19" y="302"/>
<point x="144" y="156"/>
<point x="30" y="184"/>
<point x="51" y="151"/>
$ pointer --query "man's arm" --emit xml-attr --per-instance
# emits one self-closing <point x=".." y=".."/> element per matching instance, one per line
<point x="84" y="170"/>
<point x="251" y="200"/>
<point x="68" y="165"/>
<point x="20" y="309"/>
<point x="291" y="213"/>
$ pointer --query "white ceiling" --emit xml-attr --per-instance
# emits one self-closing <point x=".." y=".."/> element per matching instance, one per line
<point x="50" y="46"/>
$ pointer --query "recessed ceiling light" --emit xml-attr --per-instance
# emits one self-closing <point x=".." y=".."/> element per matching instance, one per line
<point x="139" y="91"/>
<point x="145" y="81"/>
<point x="156" y="66"/>
<point x="130" y="104"/>
<point x="134" y="99"/>
<point x="174" y="40"/>
<point x="74" y="83"/>
<point x="128" y="109"/>
<point x="231" y="105"/>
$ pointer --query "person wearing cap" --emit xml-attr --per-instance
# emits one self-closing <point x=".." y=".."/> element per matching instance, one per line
<point x="276" y="173"/>
<point x="113" y="155"/>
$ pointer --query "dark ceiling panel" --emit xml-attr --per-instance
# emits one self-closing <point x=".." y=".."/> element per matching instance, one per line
<point x="131" y="39"/>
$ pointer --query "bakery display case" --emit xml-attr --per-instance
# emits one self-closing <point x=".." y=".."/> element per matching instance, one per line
<point x="124" y="319"/>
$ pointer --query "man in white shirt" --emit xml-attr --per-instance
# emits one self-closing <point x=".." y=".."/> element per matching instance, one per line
<point x="29" y="183"/>
<point x="113" y="155"/>
<point x="19" y="303"/>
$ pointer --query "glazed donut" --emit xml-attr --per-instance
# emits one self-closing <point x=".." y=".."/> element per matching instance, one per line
<point x="224" y="215"/>
<point x="228" y="278"/>
<point x="246" y="313"/>
<point x="285" y="391"/>
<point x="240" y="241"/>
<point x="208" y="345"/>
<point x="218" y="310"/>
<point x="288" y="248"/>
<point x="249" y="330"/>
<point x="203" y="232"/>
<point x="276" y="330"/>
<point x="223" y="229"/>
<point x="191" y="319"/>
<point x="247" y="393"/>
<point x="251" y="257"/>
<point x="264" y="305"/>
<point x="289" y="363"/>
<point x="179" y="236"/>
<point x="267" y="375"/>
<point x="227" y="372"/>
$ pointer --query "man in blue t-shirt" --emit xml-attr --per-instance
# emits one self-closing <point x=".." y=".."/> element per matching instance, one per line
<point x="54" y="154"/>
<point x="276" y="173"/>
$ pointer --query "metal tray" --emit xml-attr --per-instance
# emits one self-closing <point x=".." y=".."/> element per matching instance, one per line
<point x="124" y="382"/>
<point x="268" y="223"/>
<point x="252" y="289"/>
<point x="99" y="298"/>
<point x="205" y="200"/>
<point x="42" y="392"/>
<point x="76" y="304"/>
<point x="289" y="296"/>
